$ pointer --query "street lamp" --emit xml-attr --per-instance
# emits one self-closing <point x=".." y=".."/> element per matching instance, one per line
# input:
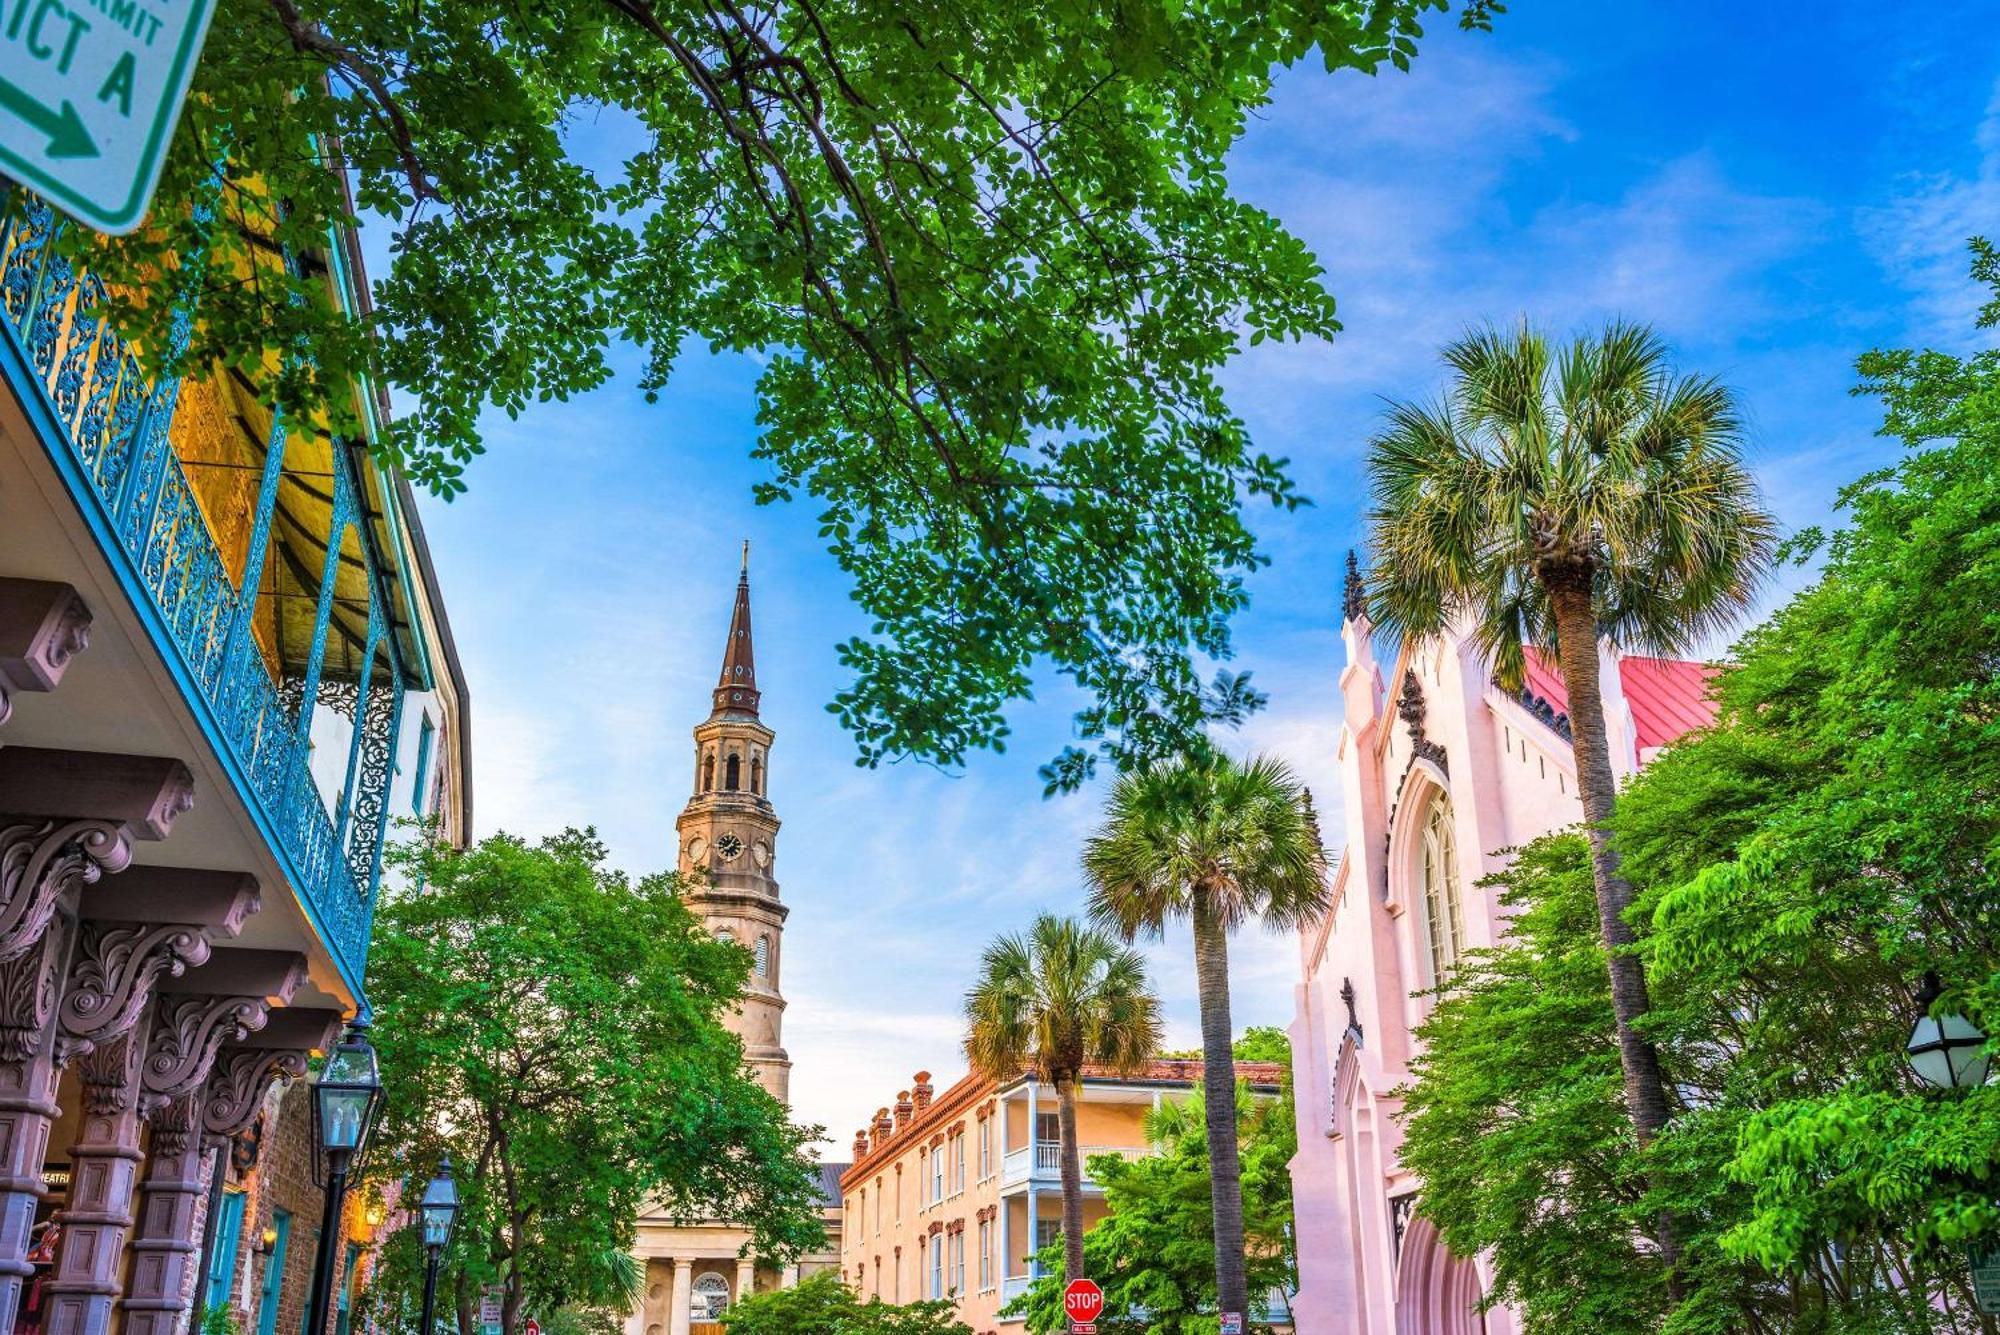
<point x="438" y="1213"/>
<point x="1946" y="1051"/>
<point x="345" y="1101"/>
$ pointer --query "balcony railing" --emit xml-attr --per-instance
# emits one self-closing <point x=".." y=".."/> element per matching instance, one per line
<point x="106" y="423"/>
<point x="1045" y="1157"/>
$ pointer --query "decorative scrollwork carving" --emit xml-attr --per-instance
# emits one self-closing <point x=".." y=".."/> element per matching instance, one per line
<point x="42" y="860"/>
<point x="187" y="1033"/>
<point x="174" y="1124"/>
<point x="114" y="971"/>
<point x="109" y="1075"/>
<point x="28" y="987"/>
<point x="238" y="1083"/>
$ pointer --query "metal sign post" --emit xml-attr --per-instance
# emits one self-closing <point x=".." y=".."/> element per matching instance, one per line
<point x="90" y="92"/>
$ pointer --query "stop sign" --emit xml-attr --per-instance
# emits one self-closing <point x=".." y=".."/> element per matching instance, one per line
<point x="1083" y="1300"/>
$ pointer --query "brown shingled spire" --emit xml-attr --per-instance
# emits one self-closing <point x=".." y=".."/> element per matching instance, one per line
<point x="736" y="690"/>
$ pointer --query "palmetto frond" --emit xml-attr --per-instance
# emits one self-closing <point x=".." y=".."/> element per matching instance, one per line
<point x="1233" y="834"/>
<point x="1595" y="463"/>
<point x="1059" y="997"/>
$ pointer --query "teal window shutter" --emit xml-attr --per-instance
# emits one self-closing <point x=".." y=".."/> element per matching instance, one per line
<point x="274" y="1274"/>
<point x="222" y="1261"/>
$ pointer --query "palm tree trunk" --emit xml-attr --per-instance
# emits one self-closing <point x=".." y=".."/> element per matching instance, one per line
<point x="1645" y="1088"/>
<point x="1072" y="1180"/>
<point x="1218" y="1091"/>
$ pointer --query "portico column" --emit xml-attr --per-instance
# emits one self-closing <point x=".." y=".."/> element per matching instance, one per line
<point x="142" y="1070"/>
<point x="70" y="820"/>
<point x="226" y="1103"/>
<point x="746" y="1278"/>
<point x="683" y="1299"/>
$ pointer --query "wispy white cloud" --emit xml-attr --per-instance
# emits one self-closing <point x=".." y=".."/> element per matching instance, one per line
<point x="1920" y="238"/>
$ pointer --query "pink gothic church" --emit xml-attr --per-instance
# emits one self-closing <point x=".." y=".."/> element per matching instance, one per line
<point x="1441" y="768"/>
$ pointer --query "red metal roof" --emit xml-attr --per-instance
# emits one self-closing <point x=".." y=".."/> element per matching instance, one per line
<point x="1668" y="696"/>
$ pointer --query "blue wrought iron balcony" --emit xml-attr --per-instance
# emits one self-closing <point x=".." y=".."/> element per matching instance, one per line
<point x="241" y="624"/>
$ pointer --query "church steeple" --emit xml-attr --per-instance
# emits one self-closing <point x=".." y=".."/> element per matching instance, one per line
<point x="728" y="845"/>
<point x="736" y="688"/>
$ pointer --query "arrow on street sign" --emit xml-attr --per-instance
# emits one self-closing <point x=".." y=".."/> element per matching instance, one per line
<point x="91" y="93"/>
<point x="68" y="136"/>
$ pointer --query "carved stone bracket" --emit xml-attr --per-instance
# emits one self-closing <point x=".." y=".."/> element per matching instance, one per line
<point x="113" y="974"/>
<point x="188" y="1032"/>
<point x="42" y="627"/>
<point x="42" y="860"/>
<point x="29" y="984"/>
<point x="236" y="1086"/>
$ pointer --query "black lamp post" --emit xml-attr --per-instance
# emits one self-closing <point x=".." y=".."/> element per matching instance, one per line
<point x="1946" y="1051"/>
<point x="438" y="1213"/>
<point x="344" y="1105"/>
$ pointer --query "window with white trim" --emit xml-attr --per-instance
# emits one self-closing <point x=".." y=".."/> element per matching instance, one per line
<point x="1437" y="877"/>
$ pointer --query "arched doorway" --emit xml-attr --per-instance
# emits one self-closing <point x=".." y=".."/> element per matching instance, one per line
<point x="1436" y="1293"/>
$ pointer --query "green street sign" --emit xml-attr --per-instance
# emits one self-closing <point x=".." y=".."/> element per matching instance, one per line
<point x="90" y="91"/>
<point x="1986" y="1279"/>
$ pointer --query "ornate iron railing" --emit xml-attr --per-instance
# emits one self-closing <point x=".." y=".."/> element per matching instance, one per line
<point x="113" y="421"/>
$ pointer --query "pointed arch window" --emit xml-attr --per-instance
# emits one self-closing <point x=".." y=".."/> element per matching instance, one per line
<point x="1437" y="873"/>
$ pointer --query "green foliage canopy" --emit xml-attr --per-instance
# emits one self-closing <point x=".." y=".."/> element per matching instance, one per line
<point x="986" y="253"/>
<point x="558" y="1029"/>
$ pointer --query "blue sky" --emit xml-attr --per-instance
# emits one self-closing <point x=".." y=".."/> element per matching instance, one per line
<point x="1776" y="188"/>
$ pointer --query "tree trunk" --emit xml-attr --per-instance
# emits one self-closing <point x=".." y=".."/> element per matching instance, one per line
<point x="1645" y="1088"/>
<point x="1218" y="1091"/>
<point x="1072" y="1180"/>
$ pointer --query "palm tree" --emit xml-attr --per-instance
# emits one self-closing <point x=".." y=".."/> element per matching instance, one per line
<point x="1063" y="997"/>
<point x="1552" y="497"/>
<point x="1215" y="841"/>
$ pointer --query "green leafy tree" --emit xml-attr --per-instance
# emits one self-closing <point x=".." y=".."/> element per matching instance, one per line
<point x="1216" y="842"/>
<point x="822" y="1305"/>
<point x="559" y="1030"/>
<point x="1258" y="1043"/>
<point x="1154" y="1253"/>
<point x="1553" y="496"/>
<point x="1798" y="867"/>
<point x="986" y="252"/>
<point x="1060" y="998"/>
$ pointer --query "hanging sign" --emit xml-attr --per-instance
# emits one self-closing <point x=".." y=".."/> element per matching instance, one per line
<point x="90" y="91"/>
<point x="1232" y="1323"/>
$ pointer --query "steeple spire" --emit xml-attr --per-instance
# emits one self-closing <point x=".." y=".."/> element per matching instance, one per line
<point x="736" y="689"/>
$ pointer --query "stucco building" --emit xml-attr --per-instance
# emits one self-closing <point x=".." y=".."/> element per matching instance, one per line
<point x="225" y="673"/>
<point x="1442" y="770"/>
<point x="951" y="1195"/>
<point x="728" y="840"/>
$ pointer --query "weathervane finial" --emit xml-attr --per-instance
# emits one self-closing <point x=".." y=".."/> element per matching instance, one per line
<point x="746" y="558"/>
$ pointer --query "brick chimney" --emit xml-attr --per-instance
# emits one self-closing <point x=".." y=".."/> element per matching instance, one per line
<point x="920" y="1091"/>
<point x="905" y="1109"/>
<point x="884" y="1128"/>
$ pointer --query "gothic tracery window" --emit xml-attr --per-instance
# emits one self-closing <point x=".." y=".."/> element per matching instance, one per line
<point x="1437" y="870"/>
